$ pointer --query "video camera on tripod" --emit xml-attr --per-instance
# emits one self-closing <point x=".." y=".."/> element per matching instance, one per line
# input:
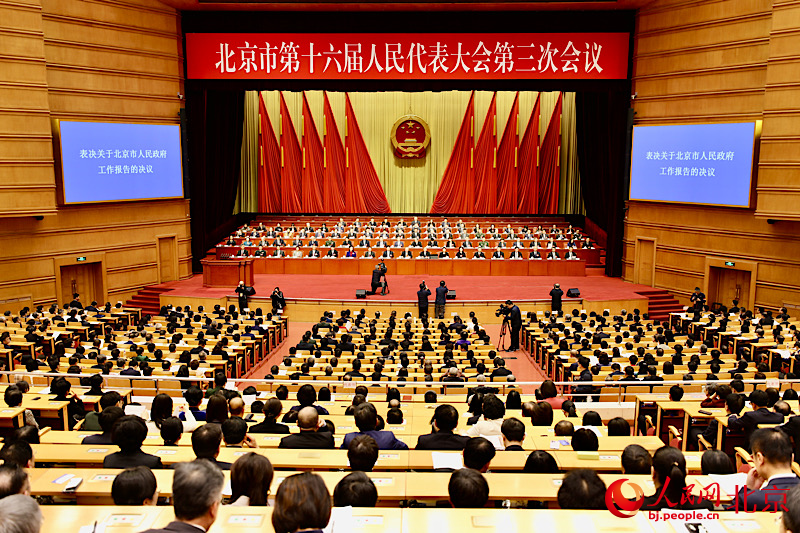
<point x="506" y="312"/>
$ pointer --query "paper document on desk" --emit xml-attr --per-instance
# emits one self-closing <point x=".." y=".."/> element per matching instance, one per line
<point x="496" y="441"/>
<point x="136" y="410"/>
<point x="447" y="460"/>
<point x="341" y="520"/>
<point x="729" y="483"/>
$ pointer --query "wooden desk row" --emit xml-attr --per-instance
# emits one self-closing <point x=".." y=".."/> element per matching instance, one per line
<point x="60" y="518"/>
<point x="392" y="486"/>
<point x="313" y="460"/>
<point x="431" y="267"/>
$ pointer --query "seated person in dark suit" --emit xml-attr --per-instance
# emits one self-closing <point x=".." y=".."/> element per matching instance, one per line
<point x="196" y="496"/>
<point x="107" y="419"/>
<point x="759" y="415"/>
<point x="468" y="489"/>
<point x="309" y="436"/>
<point x="442" y="436"/>
<point x="272" y="410"/>
<point x="498" y="254"/>
<point x="260" y="252"/>
<point x="366" y="417"/>
<point x="306" y="396"/>
<point x="513" y="433"/>
<point x="479" y="254"/>
<point x="362" y="453"/>
<point x="772" y="456"/>
<point x="129" y="433"/>
<point x="552" y="254"/>
<point x="332" y="253"/>
<point x="444" y="253"/>
<point x="135" y="486"/>
<point x="206" y="441"/>
<point x="278" y="253"/>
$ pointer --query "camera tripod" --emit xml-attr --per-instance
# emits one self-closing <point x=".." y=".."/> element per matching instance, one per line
<point x="501" y="344"/>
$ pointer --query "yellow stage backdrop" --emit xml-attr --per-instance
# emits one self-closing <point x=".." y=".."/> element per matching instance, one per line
<point x="410" y="185"/>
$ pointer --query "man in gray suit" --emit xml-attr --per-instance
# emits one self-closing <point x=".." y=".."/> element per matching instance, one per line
<point x="196" y="495"/>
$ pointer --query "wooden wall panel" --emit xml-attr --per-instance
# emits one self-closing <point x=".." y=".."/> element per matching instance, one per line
<point x="96" y="60"/>
<point x="723" y="61"/>
<point x="25" y="137"/>
<point x="779" y="167"/>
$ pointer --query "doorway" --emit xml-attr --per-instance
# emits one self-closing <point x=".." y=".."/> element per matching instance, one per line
<point x="644" y="267"/>
<point x="85" y="279"/>
<point x="727" y="284"/>
<point x="167" y="258"/>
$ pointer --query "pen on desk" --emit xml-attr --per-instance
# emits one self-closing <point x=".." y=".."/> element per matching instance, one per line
<point x="94" y="527"/>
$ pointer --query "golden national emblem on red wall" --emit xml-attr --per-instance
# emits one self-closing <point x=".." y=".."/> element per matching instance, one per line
<point x="410" y="137"/>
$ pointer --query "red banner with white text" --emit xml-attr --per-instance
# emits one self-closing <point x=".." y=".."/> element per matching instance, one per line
<point x="407" y="56"/>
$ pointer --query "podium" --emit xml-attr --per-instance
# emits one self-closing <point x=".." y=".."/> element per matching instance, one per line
<point x="227" y="272"/>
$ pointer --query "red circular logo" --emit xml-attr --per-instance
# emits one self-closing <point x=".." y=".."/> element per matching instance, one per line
<point x="618" y="504"/>
<point x="410" y="137"/>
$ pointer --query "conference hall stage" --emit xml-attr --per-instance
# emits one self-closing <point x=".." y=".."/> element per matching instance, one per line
<point x="308" y="295"/>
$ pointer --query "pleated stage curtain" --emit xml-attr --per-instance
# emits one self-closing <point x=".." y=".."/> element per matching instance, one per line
<point x="485" y="164"/>
<point x="313" y="166"/>
<point x="333" y="160"/>
<point x="269" y="167"/>
<point x="459" y="179"/>
<point x="291" y="164"/>
<point x="507" y="158"/>
<point x="550" y="172"/>
<point x="364" y="190"/>
<point x="528" y="184"/>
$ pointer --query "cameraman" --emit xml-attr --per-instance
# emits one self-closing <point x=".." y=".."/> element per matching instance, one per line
<point x="379" y="278"/>
<point x="422" y="299"/>
<point x="514" y="318"/>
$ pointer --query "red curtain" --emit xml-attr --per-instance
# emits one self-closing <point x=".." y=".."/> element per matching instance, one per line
<point x="312" y="163"/>
<point x="291" y="163"/>
<point x="457" y="188"/>
<point x="269" y="164"/>
<point x="550" y="173"/>
<point x="528" y="189"/>
<point x="364" y="191"/>
<point x="486" y="163"/>
<point x="507" y="163"/>
<point x="333" y="162"/>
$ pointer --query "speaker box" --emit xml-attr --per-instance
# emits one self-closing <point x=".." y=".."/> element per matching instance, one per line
<point x="451" y="294"/>
<point x="361" y="294"/>
<point x="573" y="293"/>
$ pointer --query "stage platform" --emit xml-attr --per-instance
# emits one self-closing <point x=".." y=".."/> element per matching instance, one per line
<point x="308" y="295"/>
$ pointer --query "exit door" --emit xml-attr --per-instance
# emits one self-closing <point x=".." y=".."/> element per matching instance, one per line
<point x="85" y="279"/>
<point x="727" y="284"/>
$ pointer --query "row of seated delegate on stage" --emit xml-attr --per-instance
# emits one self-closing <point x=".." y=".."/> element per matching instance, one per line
<point x="407" y="253"/>
<point x="552" y="244"/>
<point x="372" y="228"/>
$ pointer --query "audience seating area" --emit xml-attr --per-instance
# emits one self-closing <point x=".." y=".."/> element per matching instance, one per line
<point x="334" y="374"/>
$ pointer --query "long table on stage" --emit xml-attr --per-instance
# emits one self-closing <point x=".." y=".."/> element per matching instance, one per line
<point x="588" y="256"/>
<point x="400" y="267"/>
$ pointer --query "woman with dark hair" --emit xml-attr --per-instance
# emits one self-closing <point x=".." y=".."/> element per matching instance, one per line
<point x="513" y="400"/>
<point x="669" y="478"/>
<point x="716" y="462"/>
<point x="475" y="407"/>
<point x="568" y="407"/>
<point x="183" y="372"/>
<point x="540" y="462"/>
<point x="160" y="409"/>
<point x="302" y="503"/>
<point x="75" y="410"/>
<point x="549" y="394"/>
<point x="217" y="409"/>
<point x="251" y="477"/>
<point x="272" y="410"/>
<point x="542" y="415"/>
